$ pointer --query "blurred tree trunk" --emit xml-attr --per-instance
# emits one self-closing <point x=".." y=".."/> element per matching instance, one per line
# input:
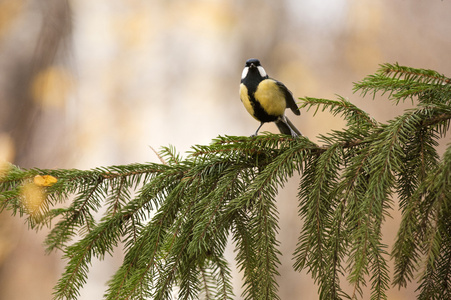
<point x="32" y="40"/>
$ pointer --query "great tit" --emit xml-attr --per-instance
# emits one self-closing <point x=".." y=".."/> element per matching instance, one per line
<point x="266" y="99"/>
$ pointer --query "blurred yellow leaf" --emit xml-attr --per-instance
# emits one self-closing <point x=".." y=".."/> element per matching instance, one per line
<point x="6" y="154"/>
<point x="133" y="28"/>
<point x="5" y="167"/>
<point x="203" y="17"/>
<point x="44" y="180"/>
<point x="51" y="86"/>
<point x="6" y="147"/>
<point x="32" y="197"/>
<point x="9" y="11"/>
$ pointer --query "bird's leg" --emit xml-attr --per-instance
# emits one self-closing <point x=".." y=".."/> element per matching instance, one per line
<point x="293" y="134"/>
<point x="256" y="132"/>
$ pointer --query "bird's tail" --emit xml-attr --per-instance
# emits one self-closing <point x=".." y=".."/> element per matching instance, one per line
<point x="286" y="127"/>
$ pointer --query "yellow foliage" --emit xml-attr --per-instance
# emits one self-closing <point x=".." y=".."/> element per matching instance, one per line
<point x="51" y="86"/>
<point x="133" y="29"/>
<point x="33" y="193"/>
<point x="32" y="197"/>
<point x="5" y="167"/>
<point x="203" y="17"/>
<point x="9" y="11"/>
<point x="6" y="154"/>
<point x="44" y="180"/>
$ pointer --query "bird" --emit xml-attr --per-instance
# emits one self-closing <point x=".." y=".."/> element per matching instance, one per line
<point x="266" y="99"/>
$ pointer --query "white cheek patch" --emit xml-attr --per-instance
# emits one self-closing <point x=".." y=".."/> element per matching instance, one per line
<point x="245" y="71"/>
<point x="261" y="71"/>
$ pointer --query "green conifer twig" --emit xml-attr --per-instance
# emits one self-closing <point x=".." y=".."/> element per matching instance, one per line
<point x="173" y="220"/>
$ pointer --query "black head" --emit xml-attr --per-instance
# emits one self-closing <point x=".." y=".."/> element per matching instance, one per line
<point x="253" y="68"/>
<point x="252" y="62"/>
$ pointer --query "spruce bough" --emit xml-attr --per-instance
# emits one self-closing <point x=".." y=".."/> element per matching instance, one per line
<point x="173" y="219"/>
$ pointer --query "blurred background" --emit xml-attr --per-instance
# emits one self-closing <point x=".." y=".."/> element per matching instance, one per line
<point x="95" y="83"/>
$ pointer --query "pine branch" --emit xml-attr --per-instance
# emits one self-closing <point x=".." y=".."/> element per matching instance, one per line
<point x="343" y="107"/>
<point x="403" y="83"/>
<point x="317" y="207"/>
<point x="173" y="220"/>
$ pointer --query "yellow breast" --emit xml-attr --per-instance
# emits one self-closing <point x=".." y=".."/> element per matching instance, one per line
<point x="271" y="98"/>
<point x="244" y="96"/>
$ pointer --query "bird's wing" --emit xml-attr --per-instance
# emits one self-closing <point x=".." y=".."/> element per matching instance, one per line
<point x="289" y="98"/>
